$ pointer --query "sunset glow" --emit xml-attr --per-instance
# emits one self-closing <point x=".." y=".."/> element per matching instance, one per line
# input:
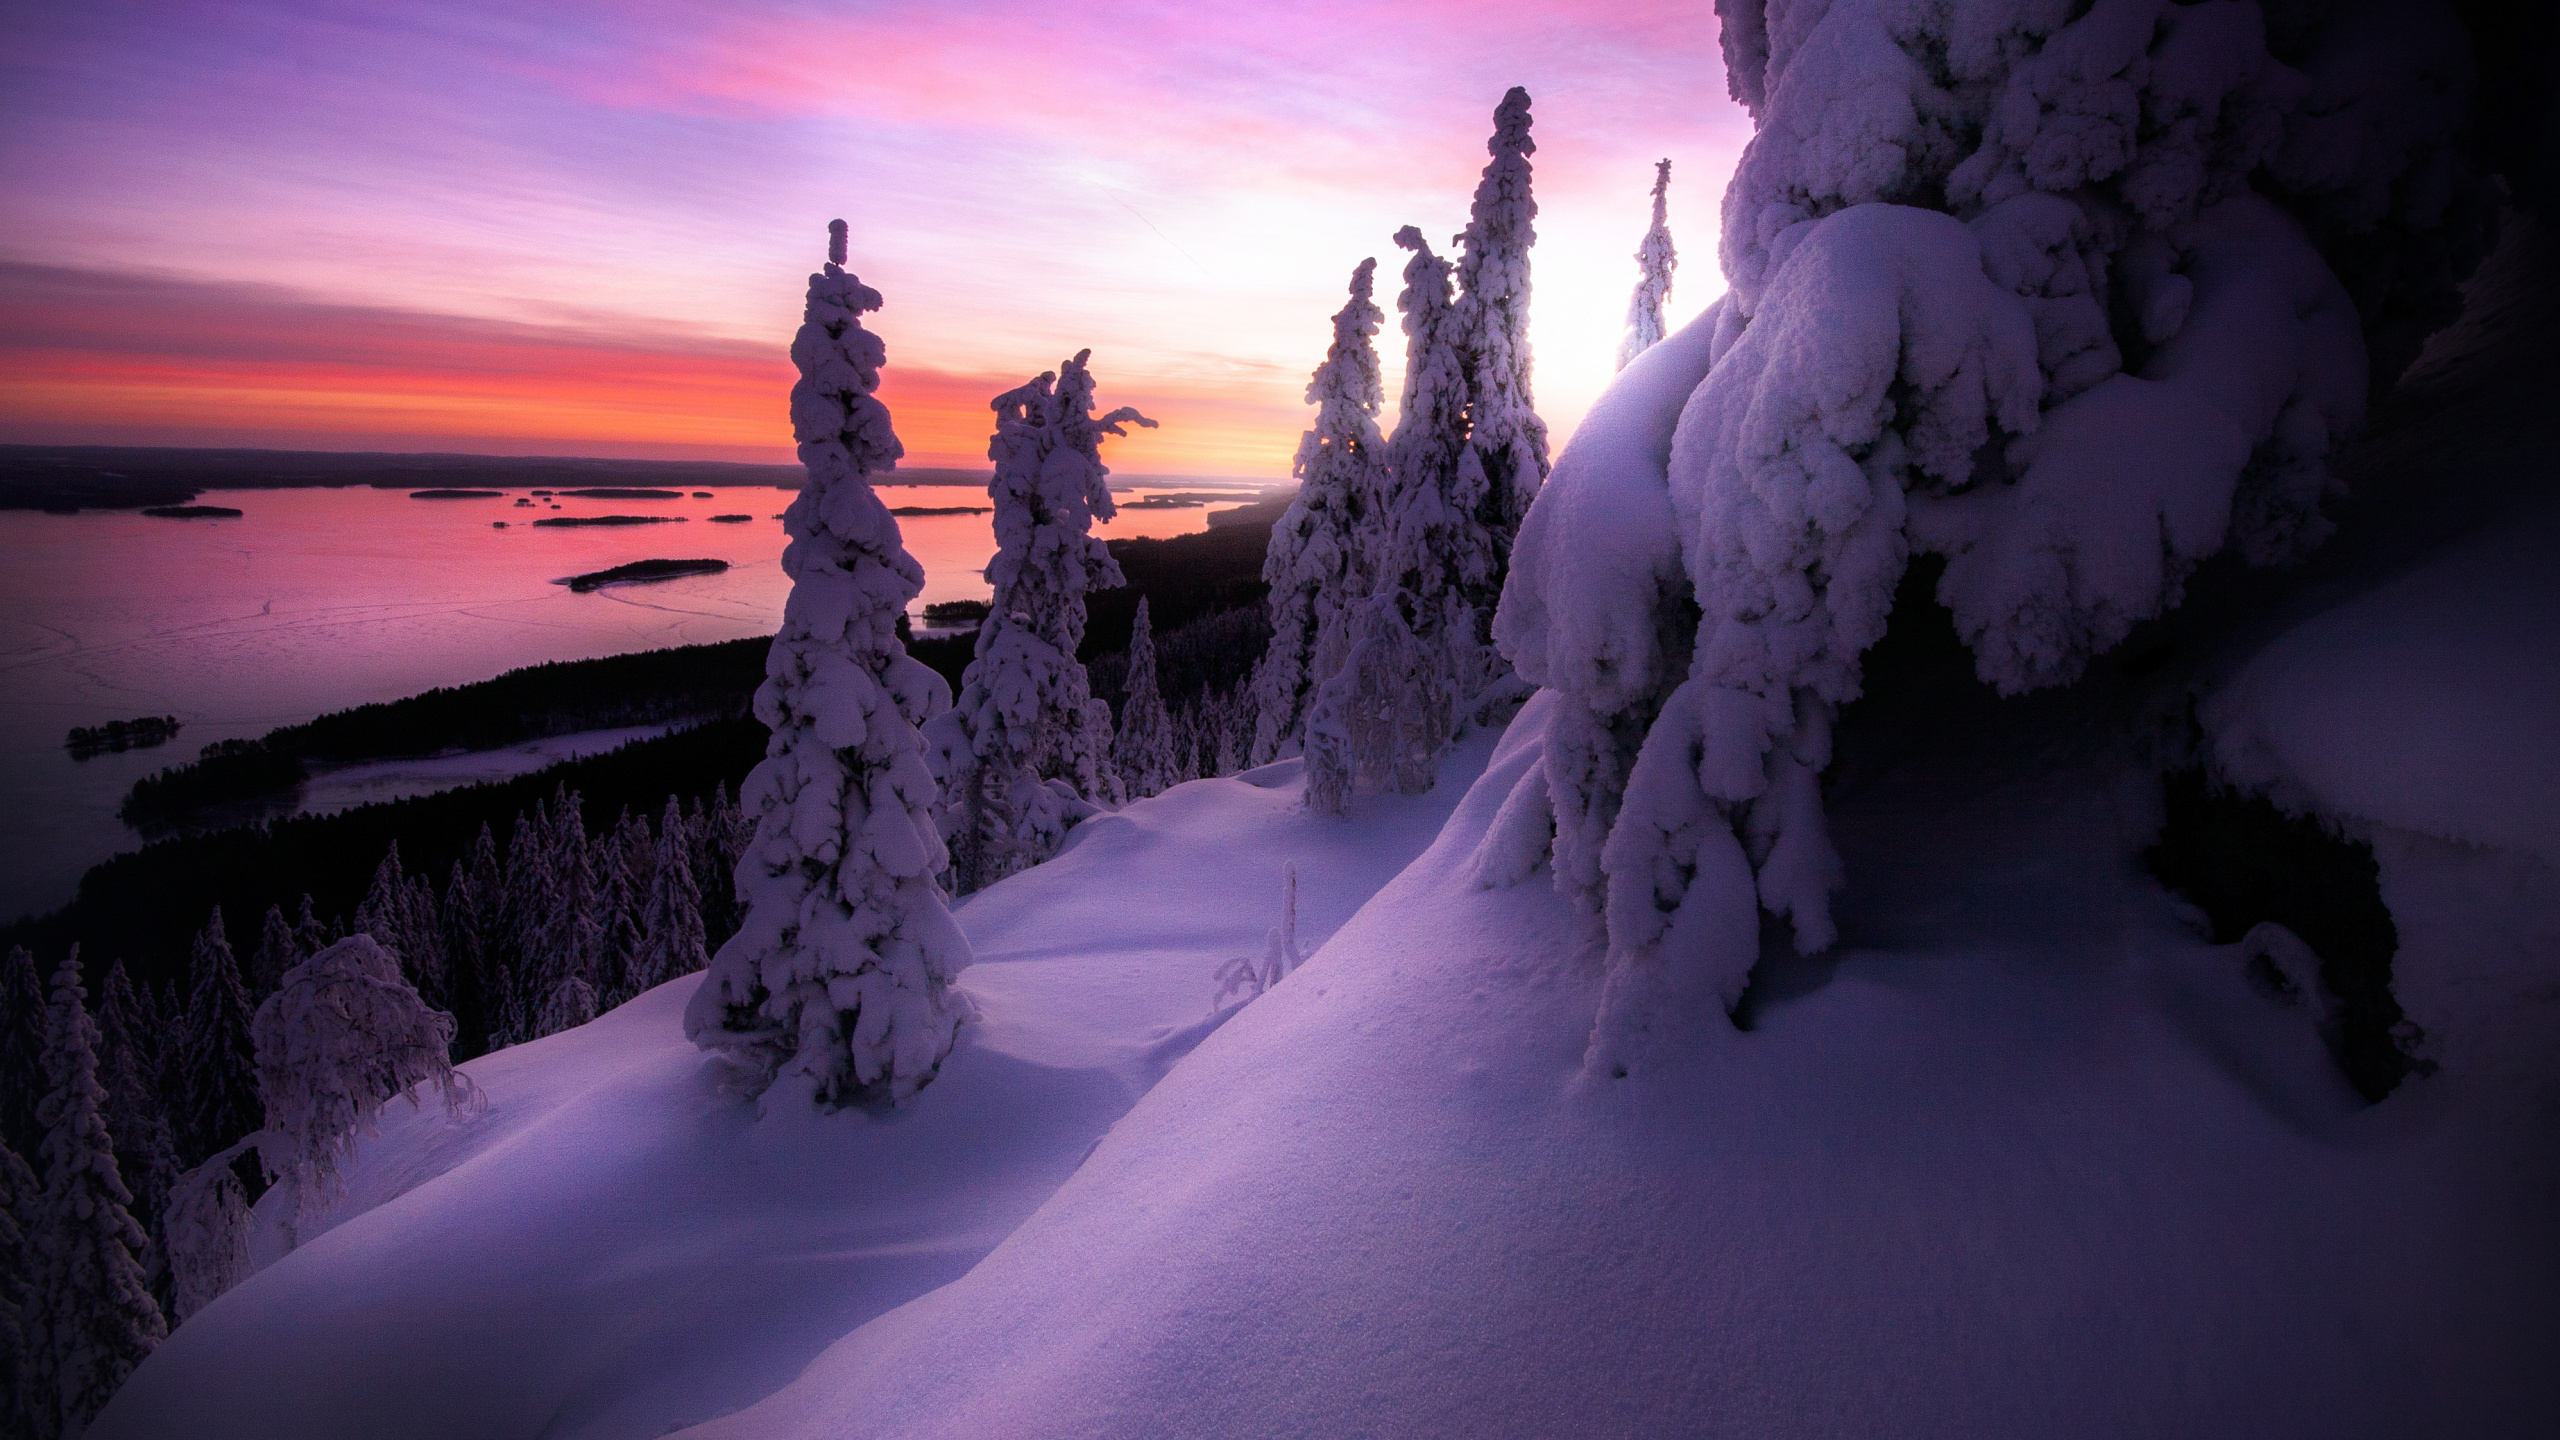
<point x="582" y="228"/>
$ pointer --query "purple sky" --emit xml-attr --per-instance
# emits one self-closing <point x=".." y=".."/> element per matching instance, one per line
<point x="584" y="227"/>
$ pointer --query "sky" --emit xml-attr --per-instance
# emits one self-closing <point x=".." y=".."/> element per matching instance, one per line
<point x="585" y="227"/>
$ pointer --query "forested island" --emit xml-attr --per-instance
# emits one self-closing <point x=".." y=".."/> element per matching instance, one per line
<point x="642" y="571"/>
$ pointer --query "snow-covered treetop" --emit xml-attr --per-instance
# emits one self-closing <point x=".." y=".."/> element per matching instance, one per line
<point x="1493" y="319"/>
<point x="2042" y="287"/>
<point x="1050" y="486"/>
<point x="839" y="974"/>
<point x="1347" y="387"/>
<point x="1655" y="260"/>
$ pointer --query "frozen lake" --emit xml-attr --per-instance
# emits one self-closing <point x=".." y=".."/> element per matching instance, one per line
<point x="315" y="600"/>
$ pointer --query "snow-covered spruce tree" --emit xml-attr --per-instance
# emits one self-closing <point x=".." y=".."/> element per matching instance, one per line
<point x="720" y="832"/>
<point x="311" y="934"/>
<point x="629" y="859"/>
<point x="128" y="1070"/>
<point x="21" y="1323"/>
<point x="1026" y="750"/>
<point x="572" y="934"/>
<point x="1505" y="437"/>
<point x="343" y="1036"/>
<point x="21" y="1050"/>
<point x="838" y="982"/>
<point x="401" y="915"/>
<point x="671" y="940"/>
<point x="1379" y="722"/>
<point x="277" y="952"/>
<point x="1145" y="740"/>
<point x="2023" y="286"/>
<point x="1655" y="260"/>
<point x="99" y="1319"/>
<point x="1319" y="562"/>
<point x="217" y="1097"/>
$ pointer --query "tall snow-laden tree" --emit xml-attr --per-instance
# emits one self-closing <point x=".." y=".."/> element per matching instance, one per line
<point x="671" y="938"/>
<point x="1146" y="731"/>
<point x="1504" y="434"/>
<point x="98" y="1315"/>
<point x="217" y="1099"/>
<point x="1026" y="750"/>
<point x="838" y="983"/>
<point x="1655" y="260"/>
<point x="1322" y="553"/>
<point x="2038" y="290"/>
<point x="21" y="1050"/>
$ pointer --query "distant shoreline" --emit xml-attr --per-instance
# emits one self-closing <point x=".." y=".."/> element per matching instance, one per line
<point x="66" y="479"/>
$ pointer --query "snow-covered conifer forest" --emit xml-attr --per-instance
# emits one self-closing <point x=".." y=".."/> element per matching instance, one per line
<point x="1975" y="852"/>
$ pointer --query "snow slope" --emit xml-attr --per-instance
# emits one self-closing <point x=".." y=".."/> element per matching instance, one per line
<point x="616" y="1247"/>
<point x="2022" y="1157"/>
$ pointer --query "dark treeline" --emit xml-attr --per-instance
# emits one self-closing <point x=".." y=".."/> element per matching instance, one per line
<point x="692" y="682"/>
<point x="145" y="906"/>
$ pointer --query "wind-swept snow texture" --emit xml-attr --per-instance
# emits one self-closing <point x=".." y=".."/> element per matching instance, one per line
<point x="2039" y="288"/>
<point x="839" y="978"/>
<point x="617" y="1245"/>
<point x="2022" y="1157"/>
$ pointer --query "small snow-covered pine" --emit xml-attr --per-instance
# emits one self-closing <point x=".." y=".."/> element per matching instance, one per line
<point x="1145" y="740"/>
<point x="129" y="1043"/>
<point x="1655" y="260"/>
<point x="99" y="1320"/>
<point x="839" y="979"/>
<point x="1323" y="550"/>
<point x="277" y="952"/>
<point x="671" y="938"/>
<point x="1379" y="722"/>
<point x="21" y="1209"/>
<point x="1025" y="752"/>
<point x="217" y="1100"/>
<point x="21" y="1049"/>
<point x="344" y="1034"/>
<point x="1504" y="433"/>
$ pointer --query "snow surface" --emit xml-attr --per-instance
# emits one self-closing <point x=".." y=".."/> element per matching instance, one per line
<point x="2024" y="1156"/>
<point x="616" y="1246"/>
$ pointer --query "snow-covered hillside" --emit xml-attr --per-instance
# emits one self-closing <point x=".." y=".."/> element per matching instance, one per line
<point x="617" y="1246"/>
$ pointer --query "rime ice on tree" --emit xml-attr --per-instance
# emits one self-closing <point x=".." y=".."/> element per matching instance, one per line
<point x="1655" y="260"/>
<point x="839" y="979"/>
<point x="2026" y="287"/>
<point x="1323" y="550"/>
<point x="1026" y="751"/>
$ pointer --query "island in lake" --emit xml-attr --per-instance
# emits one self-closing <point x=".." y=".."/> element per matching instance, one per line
<point x="191" y="512"/>
<point x="137" y="734"/>
<point x="730" y="519"/>
<point x="622" y="492"/>
<point x="940" y="509"/>
<point x="568" y="520"/>
<point x="457" y="494"/>
<point x="643" y="570"/>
